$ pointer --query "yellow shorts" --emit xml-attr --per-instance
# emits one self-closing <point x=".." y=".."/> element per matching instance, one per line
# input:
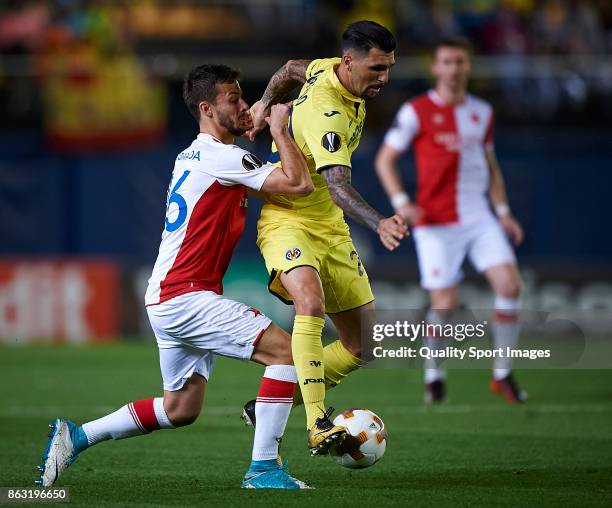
<point x="329" y="250"/>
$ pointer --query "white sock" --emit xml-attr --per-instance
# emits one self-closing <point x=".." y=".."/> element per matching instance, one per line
<point x="433" y="372"/>
<point x="506" y="329"/>
<point x="272" y="408"/>
<point x="133" y="419"/>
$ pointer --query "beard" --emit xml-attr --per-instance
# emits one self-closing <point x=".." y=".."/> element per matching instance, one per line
<point x="227" y="123"/>
<point x="370" y="94"/>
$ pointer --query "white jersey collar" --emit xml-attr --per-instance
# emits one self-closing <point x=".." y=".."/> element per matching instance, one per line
<point x="204" y="136"/>
<point x="439" y="101"/>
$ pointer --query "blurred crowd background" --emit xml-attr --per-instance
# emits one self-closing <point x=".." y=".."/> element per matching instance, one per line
<point x="92" y="119"/>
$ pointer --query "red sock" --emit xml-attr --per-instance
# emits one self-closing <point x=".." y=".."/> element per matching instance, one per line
<point x="272" y="408"/>
<point x="143" y="413"/>
<point x="133" y="419"/>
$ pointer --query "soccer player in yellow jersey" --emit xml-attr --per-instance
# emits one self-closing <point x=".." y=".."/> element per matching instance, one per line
<point x="305" y="241"/>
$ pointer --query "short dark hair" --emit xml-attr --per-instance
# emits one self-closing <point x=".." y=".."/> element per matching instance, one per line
<point x="199" y="85"/>
<point x="453" y="42"/>
<point x="365" y="35"/>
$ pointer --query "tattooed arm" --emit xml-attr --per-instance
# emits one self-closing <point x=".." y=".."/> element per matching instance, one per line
<point x="343" y="193"/>
<point x="285" y="79"/>
<point x="390" y="230"/>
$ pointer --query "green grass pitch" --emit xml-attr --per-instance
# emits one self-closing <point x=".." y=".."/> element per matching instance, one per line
<point x="555" y="450"/>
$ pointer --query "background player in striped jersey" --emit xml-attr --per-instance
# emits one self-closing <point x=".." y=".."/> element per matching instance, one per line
<point x="458" y="179"/>
<point x="192" y="320"/>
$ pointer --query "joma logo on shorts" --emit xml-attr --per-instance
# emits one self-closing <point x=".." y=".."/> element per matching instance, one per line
<point x="292" y="254"/>
<point x="315" y="363"/>
<point x="314" y="380"/>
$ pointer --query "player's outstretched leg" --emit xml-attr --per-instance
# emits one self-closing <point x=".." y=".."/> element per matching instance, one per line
<point x="67" y="440"/>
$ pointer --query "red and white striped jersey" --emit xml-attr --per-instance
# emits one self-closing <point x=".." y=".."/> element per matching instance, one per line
<point x="449" y="144"/>
<point x="205" y="215"/>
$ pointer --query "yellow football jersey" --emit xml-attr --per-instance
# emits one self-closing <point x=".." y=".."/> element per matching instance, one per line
<point x="326" y="123"/>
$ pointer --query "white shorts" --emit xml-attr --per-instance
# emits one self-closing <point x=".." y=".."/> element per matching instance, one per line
<point x="442" y="249"/>
<point x="192" y="329"/>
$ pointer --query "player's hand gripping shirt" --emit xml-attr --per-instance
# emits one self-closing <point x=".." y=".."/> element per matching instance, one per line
<point x="326" y="123"/>
<point x="449" y="143"/>
<point x="205" y="215"/>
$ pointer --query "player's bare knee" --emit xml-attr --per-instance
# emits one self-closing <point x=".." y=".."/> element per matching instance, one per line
<point x="183" y="419"/>
<point x="445" y="304"/>
<point x="183" y="416"/>
<point x="510" y="289"/>
<point x="509" y="285"/>
<point x="183" y="407"/>
<point x="444" y="300"/>
<point x="310" y="304"/>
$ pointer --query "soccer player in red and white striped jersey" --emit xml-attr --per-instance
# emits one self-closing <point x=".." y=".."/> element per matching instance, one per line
<point x="458" y="181"/>
<point x="192" y="320"/>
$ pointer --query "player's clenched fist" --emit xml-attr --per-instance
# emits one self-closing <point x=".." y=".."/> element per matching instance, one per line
<point x="258" y="114"/>
<point x="391" y="230"/>
<point x="279" y="118"/>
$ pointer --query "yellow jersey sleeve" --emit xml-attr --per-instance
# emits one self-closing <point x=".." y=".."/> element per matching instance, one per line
<point x="325" y="134"/>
